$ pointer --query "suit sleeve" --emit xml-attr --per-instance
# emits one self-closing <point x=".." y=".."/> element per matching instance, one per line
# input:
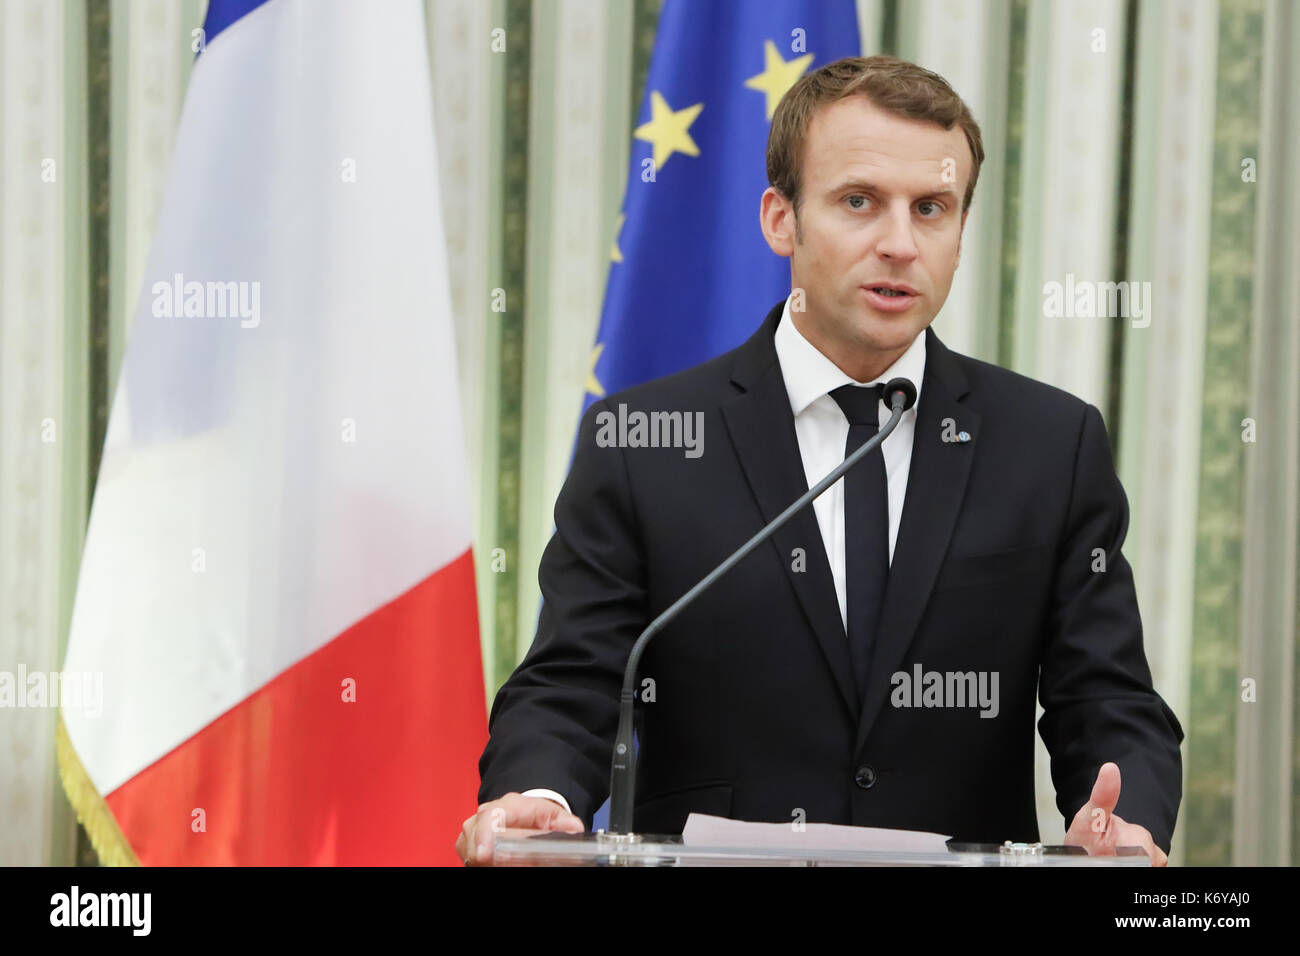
<point x="1095" y="686"/>
<point x="553" y="722"/>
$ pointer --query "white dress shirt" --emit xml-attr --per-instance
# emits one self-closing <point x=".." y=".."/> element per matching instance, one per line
<point x="822" y="431"/>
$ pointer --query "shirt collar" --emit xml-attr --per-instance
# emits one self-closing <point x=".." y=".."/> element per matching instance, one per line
<point x="809" y="374"/>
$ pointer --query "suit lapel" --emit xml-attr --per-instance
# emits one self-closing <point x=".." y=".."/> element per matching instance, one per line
<point x="761" y="426"/>
<point x="936" y="485"/>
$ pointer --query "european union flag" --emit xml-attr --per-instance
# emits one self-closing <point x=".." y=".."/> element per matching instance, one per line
<point x="692" y="276"/>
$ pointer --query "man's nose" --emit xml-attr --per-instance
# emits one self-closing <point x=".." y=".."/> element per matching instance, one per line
<point x="898" y="244"/>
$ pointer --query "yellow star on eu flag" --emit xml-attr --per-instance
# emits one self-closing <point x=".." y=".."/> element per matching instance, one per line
<point x="778" y="75"/>
<point x="594" y="386"/>
<point x="615" y="253"/>
<point x="668" y="130"/>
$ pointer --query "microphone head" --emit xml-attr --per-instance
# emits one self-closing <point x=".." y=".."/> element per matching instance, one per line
<point x="908" y="393"/>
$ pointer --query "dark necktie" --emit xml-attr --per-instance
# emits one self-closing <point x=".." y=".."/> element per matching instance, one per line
<point x="866" y="526"/>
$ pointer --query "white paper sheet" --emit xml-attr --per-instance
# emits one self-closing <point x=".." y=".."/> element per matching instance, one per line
<point x="704" y="830"/>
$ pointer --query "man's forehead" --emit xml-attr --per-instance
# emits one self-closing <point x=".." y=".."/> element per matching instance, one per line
<point x="854" y="139"/>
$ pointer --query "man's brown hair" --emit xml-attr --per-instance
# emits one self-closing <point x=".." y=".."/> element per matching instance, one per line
<point x="893" y="85"/>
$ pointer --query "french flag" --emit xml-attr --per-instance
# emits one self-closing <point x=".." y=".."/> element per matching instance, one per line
<point x="277" y="583"/>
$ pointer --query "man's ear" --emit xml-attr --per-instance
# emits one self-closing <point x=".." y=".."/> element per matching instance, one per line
<point x="776" y="219"/>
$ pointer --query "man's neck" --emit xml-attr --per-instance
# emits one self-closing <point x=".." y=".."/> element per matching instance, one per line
<point x="861" y="365"/>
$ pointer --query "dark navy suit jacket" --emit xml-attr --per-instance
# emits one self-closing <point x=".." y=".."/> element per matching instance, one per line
<point x="755" y="714"/>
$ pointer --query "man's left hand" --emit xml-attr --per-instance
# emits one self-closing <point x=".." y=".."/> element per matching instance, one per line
<point x="1098" y="830"/>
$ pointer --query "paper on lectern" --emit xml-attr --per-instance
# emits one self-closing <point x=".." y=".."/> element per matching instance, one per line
<point x="704" y="830"/>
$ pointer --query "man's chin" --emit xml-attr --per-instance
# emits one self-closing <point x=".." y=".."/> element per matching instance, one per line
<point x="891" y="333"/>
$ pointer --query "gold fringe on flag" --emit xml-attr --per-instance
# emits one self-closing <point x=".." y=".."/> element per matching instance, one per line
<point x="101" y="826"/>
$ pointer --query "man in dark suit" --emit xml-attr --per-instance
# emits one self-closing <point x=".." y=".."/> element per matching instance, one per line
<point x="876" y="663"/>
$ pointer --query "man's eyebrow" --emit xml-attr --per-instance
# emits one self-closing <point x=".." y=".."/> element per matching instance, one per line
<point x="948" y="194"/>
<point x="861" y="185"/>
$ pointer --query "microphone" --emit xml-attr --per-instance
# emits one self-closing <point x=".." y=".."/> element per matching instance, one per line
<point x="900" y="395"/>
<point x="903" y="385"/>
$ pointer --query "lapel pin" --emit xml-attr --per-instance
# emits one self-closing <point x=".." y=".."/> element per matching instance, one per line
<point x="963" y="436"/>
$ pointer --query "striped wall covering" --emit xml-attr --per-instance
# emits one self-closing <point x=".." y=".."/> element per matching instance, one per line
<point x="43" y="334"/>
<point x="1115" y="131"/>
<point x="1163" y="363"/>
<point x="1217" y="585"/>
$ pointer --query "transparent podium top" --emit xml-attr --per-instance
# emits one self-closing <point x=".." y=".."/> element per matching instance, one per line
<point x="601" y="849"/>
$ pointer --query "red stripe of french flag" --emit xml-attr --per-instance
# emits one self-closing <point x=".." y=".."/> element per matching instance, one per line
<point x="363" y="753"/>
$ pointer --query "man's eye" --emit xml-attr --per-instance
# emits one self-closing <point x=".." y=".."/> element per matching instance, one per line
<point x="934" y="206"/>
<point x="857" y="202"/>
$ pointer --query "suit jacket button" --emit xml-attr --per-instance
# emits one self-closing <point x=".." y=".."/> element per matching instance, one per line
<point x="865" y="777"/>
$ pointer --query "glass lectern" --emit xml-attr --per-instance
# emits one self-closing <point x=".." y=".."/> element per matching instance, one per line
<point x="601" y="849"/>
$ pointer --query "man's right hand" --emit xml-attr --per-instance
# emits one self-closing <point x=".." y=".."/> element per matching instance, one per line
<point x="514" y="814"/>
